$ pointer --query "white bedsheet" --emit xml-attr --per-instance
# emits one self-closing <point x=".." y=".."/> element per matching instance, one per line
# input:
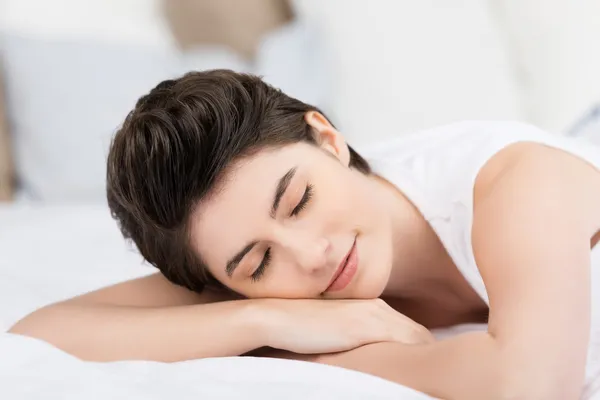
<point x="54" y="252"/>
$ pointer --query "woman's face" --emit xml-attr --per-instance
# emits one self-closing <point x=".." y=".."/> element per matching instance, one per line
<point x="287" y="221"/>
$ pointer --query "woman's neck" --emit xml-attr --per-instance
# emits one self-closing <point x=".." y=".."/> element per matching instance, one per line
<point x="418" y="255"/>
<point x="424" y="283"/>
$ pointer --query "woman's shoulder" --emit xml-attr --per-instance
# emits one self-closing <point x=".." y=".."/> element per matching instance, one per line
<point x="440" y="165"/>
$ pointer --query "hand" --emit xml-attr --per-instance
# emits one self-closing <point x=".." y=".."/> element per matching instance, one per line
<point x="327" y="326"/>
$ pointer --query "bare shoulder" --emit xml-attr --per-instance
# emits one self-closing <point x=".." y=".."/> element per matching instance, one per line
<point x="540" y="171"/>
<point x="150" y="291"/>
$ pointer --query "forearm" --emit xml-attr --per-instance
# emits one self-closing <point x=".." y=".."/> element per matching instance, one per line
<point x="469" y="366"/>
<point x="169" y="334"/>
<point x="442" y="369"/>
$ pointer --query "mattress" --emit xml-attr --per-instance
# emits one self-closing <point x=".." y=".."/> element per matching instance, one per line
<point x="49" y="253"/>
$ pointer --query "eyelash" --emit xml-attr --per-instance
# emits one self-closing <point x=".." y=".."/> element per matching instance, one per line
<point x="263" y="265"/>
<point x="308" y="193"/>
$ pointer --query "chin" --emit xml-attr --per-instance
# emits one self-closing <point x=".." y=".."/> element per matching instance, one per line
<point x="374" y="280"/>
<point x="372" y="289"/>
<point x="370" y="284"/>
<point x="375" y="276"/>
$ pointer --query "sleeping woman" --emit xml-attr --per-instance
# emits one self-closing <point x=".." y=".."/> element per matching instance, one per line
<point x="274" y="237"/>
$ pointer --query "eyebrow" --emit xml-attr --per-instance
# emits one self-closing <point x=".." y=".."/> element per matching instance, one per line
<point x="282" y="185"/>
<point x="234" y="262"/>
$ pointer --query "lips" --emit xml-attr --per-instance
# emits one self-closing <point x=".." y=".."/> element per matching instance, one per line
<point x="345" y="271"/>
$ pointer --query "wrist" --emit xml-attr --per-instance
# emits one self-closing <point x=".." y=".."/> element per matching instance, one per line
<point x="264" y="319"/>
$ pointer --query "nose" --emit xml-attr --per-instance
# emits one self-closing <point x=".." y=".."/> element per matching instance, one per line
<point x="310" y="253"/>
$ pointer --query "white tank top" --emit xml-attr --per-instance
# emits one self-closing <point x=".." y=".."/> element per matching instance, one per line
<point x="436" y="169"/>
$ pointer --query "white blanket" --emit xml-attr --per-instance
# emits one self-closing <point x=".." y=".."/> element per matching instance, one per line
<point x="30" y="369"/>
<point x="54" y="252"/>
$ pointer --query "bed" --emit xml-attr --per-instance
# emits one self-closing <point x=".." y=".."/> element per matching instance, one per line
<point x="51" y="252"/>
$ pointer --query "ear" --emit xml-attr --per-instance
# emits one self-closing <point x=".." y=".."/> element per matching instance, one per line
<point x="328" y="138"/>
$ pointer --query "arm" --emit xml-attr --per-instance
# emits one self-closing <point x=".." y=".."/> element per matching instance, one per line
<point x="437" y="369"/>
<point x="532" y="232"/>
<point x="531" y="235"/>
<point x="152" y="319"/>
<point x="147" y="318"/>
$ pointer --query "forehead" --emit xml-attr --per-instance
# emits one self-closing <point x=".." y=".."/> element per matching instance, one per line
<point x="253" y="178"/>
<point x="231" y="216"/>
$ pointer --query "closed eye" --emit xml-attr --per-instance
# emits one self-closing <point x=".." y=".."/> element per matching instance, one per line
<point x="308" y="193"/>
<point x="258" y="273"/>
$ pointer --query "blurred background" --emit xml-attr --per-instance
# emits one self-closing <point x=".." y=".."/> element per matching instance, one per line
<point x="70" y="70"/>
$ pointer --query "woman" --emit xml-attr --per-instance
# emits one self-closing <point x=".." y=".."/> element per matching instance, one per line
<point x="256" y="211"/>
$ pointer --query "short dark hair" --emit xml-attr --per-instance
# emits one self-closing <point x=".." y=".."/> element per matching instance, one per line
<point x="175" y="146"/>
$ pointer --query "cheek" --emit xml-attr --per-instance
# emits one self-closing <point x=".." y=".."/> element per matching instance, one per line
<point x="352" y="203"/>
<point x="340" y="191"/>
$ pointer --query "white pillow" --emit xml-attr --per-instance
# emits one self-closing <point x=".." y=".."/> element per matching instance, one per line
<point x="65" y="100"/>
<point x="556" y="44"/>
<point x="401" y="65"/>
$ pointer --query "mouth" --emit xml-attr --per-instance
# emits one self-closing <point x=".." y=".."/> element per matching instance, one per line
<point x="346" y="270"/>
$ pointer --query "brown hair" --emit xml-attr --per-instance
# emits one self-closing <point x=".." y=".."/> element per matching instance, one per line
<point x="175" y="146"/>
